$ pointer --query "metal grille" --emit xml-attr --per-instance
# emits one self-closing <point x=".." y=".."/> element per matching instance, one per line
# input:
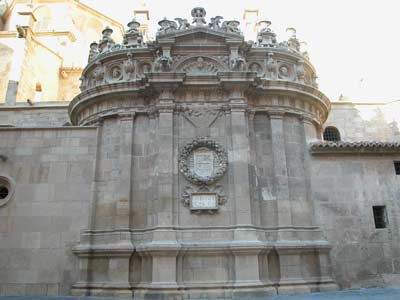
<point x="331" y="134"/>
<point x="397" y="167"/>
<point x="3" y="192"/>
<point x="380" y="216"/>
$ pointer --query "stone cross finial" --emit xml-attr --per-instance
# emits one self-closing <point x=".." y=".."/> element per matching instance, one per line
<point x="198" y="14"/>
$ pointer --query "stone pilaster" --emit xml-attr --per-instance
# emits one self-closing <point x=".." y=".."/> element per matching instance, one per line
<point x="247" y="273"/>
<point x="118" y="273"/>
<point x="291" y="281"/>
<point x="124" y="185"/>
<point x="92" y="213"/>
<point x="165" y="161"/>
<point x="281" y="182"/>
<point x="238" y="162"/>
<point x="163" y="249"/>
<point x="310" y="133"/>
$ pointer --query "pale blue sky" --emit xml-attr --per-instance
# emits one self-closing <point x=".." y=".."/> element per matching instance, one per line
<point x="354" y="44"/>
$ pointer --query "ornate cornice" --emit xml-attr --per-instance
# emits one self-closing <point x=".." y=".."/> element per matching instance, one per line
<point x="362" y="147"/>
<point x="188" y="57"/>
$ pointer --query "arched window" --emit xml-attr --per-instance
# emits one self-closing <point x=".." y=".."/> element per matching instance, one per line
<point x="331" y="134"/>
<point x="38" y="92"/>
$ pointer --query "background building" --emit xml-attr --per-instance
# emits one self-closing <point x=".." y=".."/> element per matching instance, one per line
<point x="92" y="196"/>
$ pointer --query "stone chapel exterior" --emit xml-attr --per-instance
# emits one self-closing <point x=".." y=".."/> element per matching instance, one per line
<point x="197" y="165"/>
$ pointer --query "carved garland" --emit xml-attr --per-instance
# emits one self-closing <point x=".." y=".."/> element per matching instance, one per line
<point x="220" y="164"/>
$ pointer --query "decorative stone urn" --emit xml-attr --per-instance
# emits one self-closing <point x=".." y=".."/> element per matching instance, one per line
<point x="202" y="181"/>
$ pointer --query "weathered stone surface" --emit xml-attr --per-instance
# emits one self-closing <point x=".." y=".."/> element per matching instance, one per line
<point x="114" y="209"/>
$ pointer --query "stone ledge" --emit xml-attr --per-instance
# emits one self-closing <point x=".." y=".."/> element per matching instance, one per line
<point x="362" y="147"/>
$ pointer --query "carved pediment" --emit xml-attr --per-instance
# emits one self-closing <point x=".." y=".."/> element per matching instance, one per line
<point x="201" y="65"/>
<point x="201" y="33"/>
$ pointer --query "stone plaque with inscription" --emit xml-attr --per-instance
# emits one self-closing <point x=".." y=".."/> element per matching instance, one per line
<point x="204" y="201"/>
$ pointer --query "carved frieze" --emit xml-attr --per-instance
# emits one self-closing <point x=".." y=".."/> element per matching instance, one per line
<point x="201" y="117"/>
<point x="198" y="58"/>
<point x="256" y="67"/>
<point x="285" y="71"/>
<point x="200" y="65"/>
<point x="114" y="73"/>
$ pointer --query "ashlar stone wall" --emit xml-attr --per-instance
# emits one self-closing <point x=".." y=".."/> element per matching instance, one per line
<point x="52" y="170"/>
<point x="345" y="188"/>
<point x="39" y="115"/>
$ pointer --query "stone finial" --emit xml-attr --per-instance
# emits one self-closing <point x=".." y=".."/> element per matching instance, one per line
<point x="183" y="23"/>
<point x="198" y="14"/>
<point x="231" y="26"/>
<point x="94" y="51"/>
<point x="264" y="25"/>
<point x="214" y="24"/>
<point x="293" y="42"/>
<point x="167" y="26"/>
<point x="266" y="37"/>
<point x="107" y="32"/>
<point x="132" y="37"/>
<point x="106" y="42"/>
<point x="133" y="26"/>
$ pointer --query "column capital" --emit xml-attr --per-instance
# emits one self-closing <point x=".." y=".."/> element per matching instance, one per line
<point x="127" y="116"/>
<point x="276" y="114"/>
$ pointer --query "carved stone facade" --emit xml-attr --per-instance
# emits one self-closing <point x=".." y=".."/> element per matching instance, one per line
<point x="205" y="230"/>
<point x="193" y="166"/>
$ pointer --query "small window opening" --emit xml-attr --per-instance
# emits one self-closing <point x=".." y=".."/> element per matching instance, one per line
<point x="38" y="92"/>
<point x="3" y="192"/>
<point x="331" y="134"/>
<point x="380" y="216"/>
<point x="397" y="167"/>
